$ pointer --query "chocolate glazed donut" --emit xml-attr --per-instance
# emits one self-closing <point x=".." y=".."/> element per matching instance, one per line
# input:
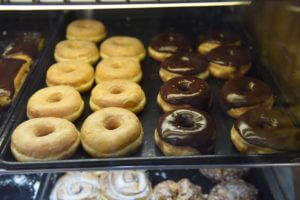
<point x="184" y="91"/>
<point x="264" y="131"/>
<point x="185" y="132"/>
<point x="242" y="94"/>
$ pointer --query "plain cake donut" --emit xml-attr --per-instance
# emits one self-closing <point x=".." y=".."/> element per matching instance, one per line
<point x="47" y="138"/>
<point x="77" y="74"/>
<point x="111" y="132"/>
<point x="118" y="93"/>
<point x="56" y="101"/>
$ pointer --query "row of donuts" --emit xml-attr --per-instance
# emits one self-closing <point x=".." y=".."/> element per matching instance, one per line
<point x="135" y="185"/>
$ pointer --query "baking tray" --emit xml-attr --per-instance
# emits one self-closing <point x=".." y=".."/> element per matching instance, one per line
<point x="145" y="24"/>
<point x="256" y="177"/>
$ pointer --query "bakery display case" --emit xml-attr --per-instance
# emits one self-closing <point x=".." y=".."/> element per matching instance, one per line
<point x="209" y="84"/>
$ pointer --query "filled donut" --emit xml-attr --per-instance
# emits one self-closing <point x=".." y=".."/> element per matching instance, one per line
<point x="185" y="132"/>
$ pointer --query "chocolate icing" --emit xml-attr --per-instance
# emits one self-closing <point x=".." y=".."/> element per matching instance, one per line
<point x="187" y="127"/>
<point x="186" y="90"/>
<point x="185" y="63"/>
<point x="244" y="92"/>
<point x="9" y="69"/>
<point x="170" y="42"/>
<point x="267" y="128"/>
<point x="219" y="37"/>
<point x="229" y="55"/>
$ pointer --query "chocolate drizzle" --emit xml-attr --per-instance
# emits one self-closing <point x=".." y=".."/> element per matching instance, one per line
<point x="244" y="92"/>
<point x="170" y="42"/>
<point x="229" y="55"/>
<point x="187" y="127"/>
<point x="186" y="90"/>
<point x="267" y="128"/>
<point x="219" y="37"/>
<point x="9" y="69"/>
<point x="185" y="63"/>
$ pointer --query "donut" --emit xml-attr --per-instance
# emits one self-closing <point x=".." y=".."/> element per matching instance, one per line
<point x="184" y="91"/>
<point x="125" y="185"/>
<point x="86" y="29"/>
<point x="122" y="46"/>
<point x="118" y="93"/>
<point x="224" y="174"/>
<point x="239" y="95"/>
<point x="76" y="50"/>
<point x="233" y="190"/>
<point x="183" y="190"/>
<point x="76" y="186"/>
<point x="46" y="138"/>
<point x="185" y="132"/>
<point x="261" y="131"/>
<point x="215" y="38"/>
<point x="119" y="68"/>
<point x="166" y="44"/>
<point x="229" y="61"/>
<point x="184" y="64"/>
<point x="111" y="132"/>
<point x="77" y="74"/>
<point x="56" y="101"/>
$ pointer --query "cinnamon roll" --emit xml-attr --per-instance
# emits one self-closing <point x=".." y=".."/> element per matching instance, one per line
<point x="125" y="185"/>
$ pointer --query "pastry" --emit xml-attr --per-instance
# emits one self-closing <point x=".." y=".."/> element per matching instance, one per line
<point x="68" y="50"/>
<point x="118" y="93"/>
<point x="46" y="138"/>
<point x="239" y="95"/>
<point x="122" y="46"/>
<point x="56" y="101"/>
<point x="119" y="68"/>
<point x="111" y="132"/>
<point x="224" y="174"/>
<point x="229" y="61"/>
<point x="77" y="74"/>
<point x="184" y="132"/>
<point x="184" y="64"/>
<point x="86" y="29"/>
<point x="184" y="91"/>
<point x="166" y="44"/>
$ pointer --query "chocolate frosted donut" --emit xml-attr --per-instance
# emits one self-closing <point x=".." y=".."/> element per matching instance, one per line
<point x="184" y="63"/>
<point x="242" y="94"/>
<point x="264" y="131"/>
<point x="184" y="91"/>
<point x="166" y="44"/>
<point x="229" y="61"/>
<point x="185" y="132"/>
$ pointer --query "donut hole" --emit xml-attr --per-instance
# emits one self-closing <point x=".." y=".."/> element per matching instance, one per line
<point x="67" y="69"/>
<point x="116" y="90"/>
<point x="44" y="131"/>
<point x="112" y="123"/>
<point x="184" y="120"/>
<point x="184" y="85"/>
<point x="247" y="88"/>
<point x="115" y="65"/>
<point x="54" y="98"/>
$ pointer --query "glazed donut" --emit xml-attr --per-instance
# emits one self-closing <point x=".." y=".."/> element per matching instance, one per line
<point x="86" y="29"/>
<point x="239" y="95"/>
<point x="111" y="132"/>
<point x="122" y="46"/>
<point x="184" y="132"/>
<point x="76" y="50"/>
<point x="56" y="101"/>
<point x="46" y="138"/>
<point x="77" y="74"/>
<point x="118" y="93"/>
<point x="76" y="186"/>
<point x="166" y="44"/>
<point x="215" y="38"/>
<point x="229" y="61"/>
<point x="184" y="64"/>
<point x="119" y="68"/>
<point x="183" y="190"/>
<point x="125" y="185"/>
<point x="224" y="174"/>
<point x="264" y="131"/>
<point x="233" y="190"/>
<point x="184" y="91"/>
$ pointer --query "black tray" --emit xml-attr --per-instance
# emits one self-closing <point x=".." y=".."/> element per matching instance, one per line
<point x="141" y="24"/>
<point x="256" y="177"/>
